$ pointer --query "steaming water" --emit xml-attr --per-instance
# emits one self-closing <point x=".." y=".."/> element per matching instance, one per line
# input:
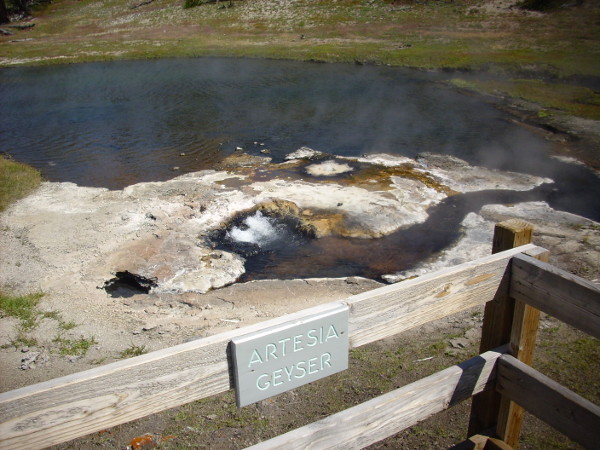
<point x="115" y="124"/>
<point x="257" y="229"/>
<point x="259" y="233"/>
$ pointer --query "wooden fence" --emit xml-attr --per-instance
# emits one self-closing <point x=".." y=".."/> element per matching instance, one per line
<point x="514" y="284"/>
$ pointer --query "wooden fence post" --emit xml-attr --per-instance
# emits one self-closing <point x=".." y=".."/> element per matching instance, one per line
<point x="506" y="321"/>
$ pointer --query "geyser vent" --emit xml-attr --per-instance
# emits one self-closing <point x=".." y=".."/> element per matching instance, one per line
<point x="127" y="284"/>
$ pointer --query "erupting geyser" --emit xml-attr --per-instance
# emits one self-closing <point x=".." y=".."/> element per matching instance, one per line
<point x="257" y="229"/>
<point x="258" y="233"/>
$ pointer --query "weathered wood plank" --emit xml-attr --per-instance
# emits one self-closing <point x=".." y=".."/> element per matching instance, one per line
<point x="497" y="323"/>
<point x="522" y="346"/>
<point x="63" y="409"/>
<point x="395" y="411"/>
<point x="565" y="296"/>
<point x="569" y="413"/>
<point x="511" y="233"/>
<point x="399" y="307"/>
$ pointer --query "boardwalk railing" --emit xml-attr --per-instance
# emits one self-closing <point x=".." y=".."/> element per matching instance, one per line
<point x="65" y="408"/>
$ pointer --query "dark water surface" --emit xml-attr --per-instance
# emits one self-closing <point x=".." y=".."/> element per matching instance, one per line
<point x="119" y="123"/>
<point x="114" y="124"/>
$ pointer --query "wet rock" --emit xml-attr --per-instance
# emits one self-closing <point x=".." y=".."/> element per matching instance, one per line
<point x="364" y="213"/>
<point x="460" y="176"/>
<point x="474" y="243"/>
<point x="383" y="159"/>
<point x="279" y="208"/>
<point x="304" y="153"/>
<point x="242" y="160"/>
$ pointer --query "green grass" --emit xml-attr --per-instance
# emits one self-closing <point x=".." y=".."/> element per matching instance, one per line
<point x="22" y="307"/>
<point x="16" y="181"/>
<point x="25" y="309"/>
<point x="575" y="363"/>
<point x="441" y="34"/>
<point x="66" y="325"/>
<point x="133" y="350"/>
<point x="74" y="347"/>
<point x="533" y="54"/>
<point x="551" y="96"/>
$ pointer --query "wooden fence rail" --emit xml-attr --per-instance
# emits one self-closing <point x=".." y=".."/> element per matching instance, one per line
<point x="65" y="408"/>
<point x="383" y="416"/>
<point x="572" y="415"/>
<point x="513" y="284"/>
<point x="560" y="294"/>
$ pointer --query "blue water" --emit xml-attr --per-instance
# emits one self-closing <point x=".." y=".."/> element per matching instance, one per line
<point x="119" y="123"/>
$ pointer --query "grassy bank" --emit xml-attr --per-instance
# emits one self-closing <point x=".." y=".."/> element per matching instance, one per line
<point x="545" y="62"/>
<point x="16" y="181"/>
<point x="464" y="35"/>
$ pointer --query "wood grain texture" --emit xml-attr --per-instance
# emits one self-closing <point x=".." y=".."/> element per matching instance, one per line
<point x="58" y="410"/>
<point x="497" y="323"/>
<point x="395" y="411"/>
<point x="523" y="335"/>
<point x="510" y="234"/>
<point x="560" y="294"/>
<point x="65" y="408"/>
<point x="399" y="307"/>
<point x="569" y="413"/>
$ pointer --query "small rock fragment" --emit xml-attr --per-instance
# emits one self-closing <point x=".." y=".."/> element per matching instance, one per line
<point x="28" y="362"/>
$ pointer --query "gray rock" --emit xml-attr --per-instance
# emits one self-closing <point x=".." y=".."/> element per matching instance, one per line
<point x="28" y="362"/>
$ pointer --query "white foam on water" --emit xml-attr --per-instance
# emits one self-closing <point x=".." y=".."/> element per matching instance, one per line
<point x="256" y="229"/>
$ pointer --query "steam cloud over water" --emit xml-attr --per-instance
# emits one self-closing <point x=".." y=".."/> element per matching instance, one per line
<point x="116" y="124"/>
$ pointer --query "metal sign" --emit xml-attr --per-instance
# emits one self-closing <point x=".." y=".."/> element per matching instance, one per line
<point x="283" y="357"/>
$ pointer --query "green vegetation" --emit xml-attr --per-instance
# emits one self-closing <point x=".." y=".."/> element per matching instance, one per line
<point x="25" y="309"/>
<point x="538" y="58"/>
<point x="428" y="35"/>
<point x="575" y="362"/>
<point x="553" y="97"/>
<point x="564" y="354"/>
<point x="530" y="56"/>
<point x="374" y="369"/>
<point x="16" y="181"/>
<point x="22" y="307"/>
<point x="75" y="347"/>
<point x="133" y="350"/>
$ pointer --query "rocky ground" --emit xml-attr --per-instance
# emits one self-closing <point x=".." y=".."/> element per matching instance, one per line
<point x="69" y="242"/>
